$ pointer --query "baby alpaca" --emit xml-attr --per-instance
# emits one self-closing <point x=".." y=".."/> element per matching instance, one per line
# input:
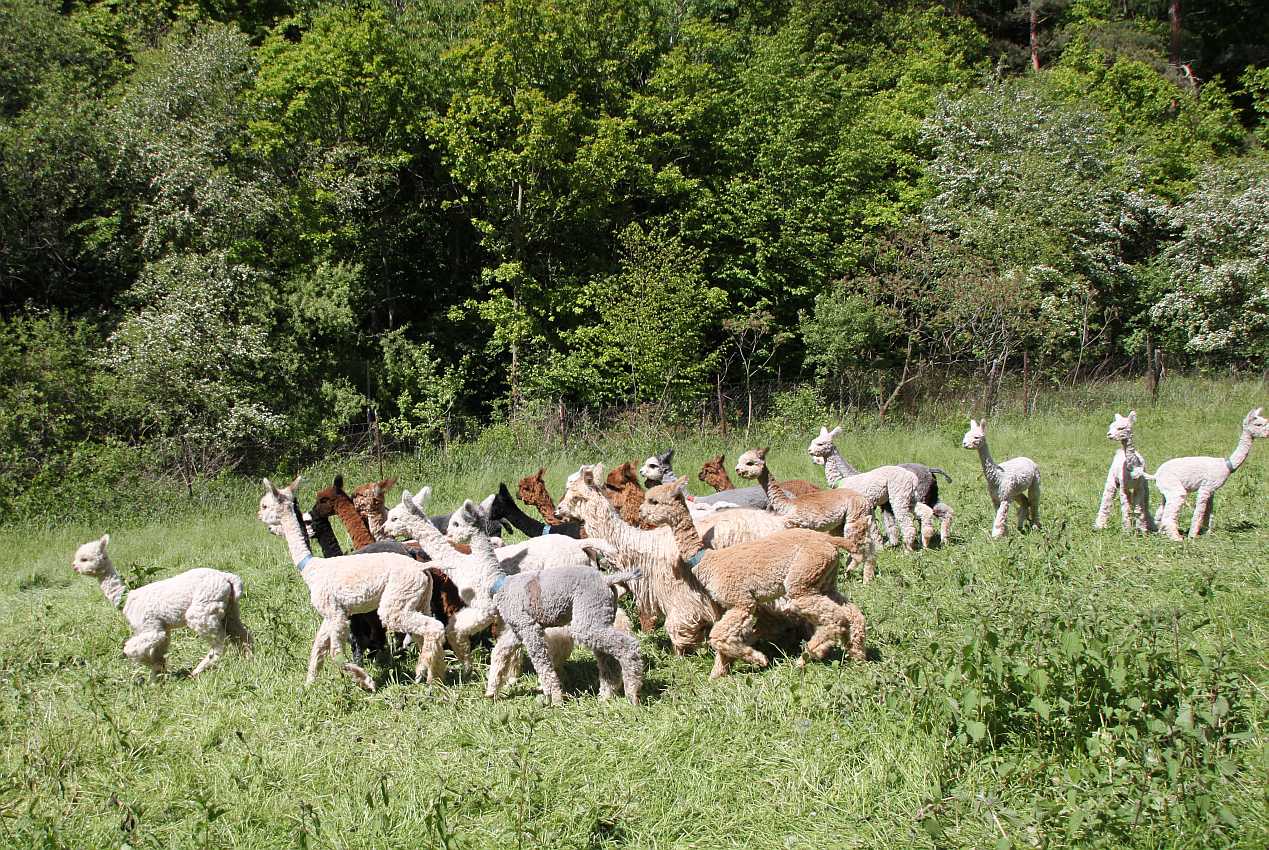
<point x="204" y="600"/>
<point x="1127" y="476"/>
<point x="797" y="564"/>
<point x="658" y="469"/>
<point x="528" y="603"/>
<point x="1179" y="477"/>
<point x="1015" y="480"/>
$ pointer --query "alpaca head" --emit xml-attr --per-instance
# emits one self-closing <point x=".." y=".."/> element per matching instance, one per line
<point x="324" y="506"/>
<point x="620" y="483"/>
<point x="821" y="448"/>
<point x="752" y="463"/>
<point x="466" y="521"/>
<point x="91" y="559"/>
<point x="664" y="504"/>
<point x="1256" y="424"/>
<point x="658" y="469"/>
<point x="532" y="489"/>
<point x="369" y="498"/>
<point x="1121" y="426"/>
<point x="398" y="521"/>
<point x="583" y="487"/>
<point x="275" y="502"/>
<point x="714" y="473"/>
<point x="975" y="436"/>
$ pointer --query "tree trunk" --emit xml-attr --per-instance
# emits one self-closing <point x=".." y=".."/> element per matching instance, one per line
<point x="1174" y="22"/>
<point x="1035" y="37"/>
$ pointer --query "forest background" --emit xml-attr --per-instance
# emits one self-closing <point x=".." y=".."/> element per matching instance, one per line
<point x="234" y="232"/>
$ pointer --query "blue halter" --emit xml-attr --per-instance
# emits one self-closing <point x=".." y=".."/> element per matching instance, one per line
<point x="498" y="583"/>
<point x="546" y="529"/>
<point x="304" y="562"/>
<point x="695" y="559"/>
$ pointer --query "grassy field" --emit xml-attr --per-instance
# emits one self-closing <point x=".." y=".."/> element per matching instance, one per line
<point x="1061" y="688"/>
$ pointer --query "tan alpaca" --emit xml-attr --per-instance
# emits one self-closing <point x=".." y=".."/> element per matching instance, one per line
<point x="798" y="565"/>
<point x="842" y="512"/>
<point x="396" y="586"/>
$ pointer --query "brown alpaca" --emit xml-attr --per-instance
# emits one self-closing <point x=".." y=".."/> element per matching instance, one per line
<point x="798" y="565"/>
<point x="843" y="512"/>
<point x="624" y="491"/>
<point x="714" y="473"/>
<point x="532" y="491"/>
<point x="370" y="503"/>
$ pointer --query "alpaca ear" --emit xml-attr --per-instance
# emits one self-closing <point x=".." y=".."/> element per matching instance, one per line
<point x="680" y="486"/>
<point x="469" y="507"/>
<point x="836" y="430"/>
<point x="1132" y="416"/>
<point x="405" y="497"/>
<point x="387" y="484"/>
<point x="268" y="485"/>
<point x="972" y="424"/>
<point x="105" y="541"/>
<point x="762" y="453"/>
<point x="339" y="482"/>
<point x="541" y="476"/>
<point x="294" y="486"/>
<point x="667" y="458"/>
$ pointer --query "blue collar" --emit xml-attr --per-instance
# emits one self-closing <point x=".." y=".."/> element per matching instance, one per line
<point x="546" y="529"/>
<point x="498" y="583"/>
<point x="695" y="559"/>
<point x="122" y="599"/>
<point x="304" y="562"/>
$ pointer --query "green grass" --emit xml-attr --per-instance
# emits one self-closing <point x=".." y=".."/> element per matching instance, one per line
<point x="95" y="754"/>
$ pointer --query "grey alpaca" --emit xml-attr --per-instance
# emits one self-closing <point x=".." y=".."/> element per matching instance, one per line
<point x="578" y="597"/>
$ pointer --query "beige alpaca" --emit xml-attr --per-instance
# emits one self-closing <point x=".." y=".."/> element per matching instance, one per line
<point x="664" y="590"/>
<point x="396" y="586"/>
<point x="798" y="565"/>
<point x="205" y="600"/>
<point x="842" y="511"/>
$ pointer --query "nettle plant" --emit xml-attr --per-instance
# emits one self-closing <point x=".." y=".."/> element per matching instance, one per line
<point x="1140" y="725"/>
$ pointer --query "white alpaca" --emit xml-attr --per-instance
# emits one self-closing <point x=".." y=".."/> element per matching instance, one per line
<point x="1179" y="477"/>
<point x="893" y="489"/>
<point x="658" y="469"/>
<point x="410" y="517"/>
<point x="1127" y="477"/>
<point x="396" y="586"/>
<point x="205" y="600"/>
<point x="1015" y="480"/>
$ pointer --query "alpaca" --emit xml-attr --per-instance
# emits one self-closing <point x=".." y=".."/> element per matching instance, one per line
<point x="203" y="599"/>
<point x="714" y="473"/>
<point x="366" y="631"/>
<point x="823" y="451"/>
<point x="663" y="590"/>
<point x="624" y="491"/>
<point x="796" y="564"/>
<point x="532" y="491"/>
<point x="658" y="469"/>
<point x="1015" y="480"/>
<point x="841" y="512"/>
<point x="580" y="598"/>
<point x="1179" y="477"/>
<point x="397" y="586"/>
<point x="1127" y="476"/>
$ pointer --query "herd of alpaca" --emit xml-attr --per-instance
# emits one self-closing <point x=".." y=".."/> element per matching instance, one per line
<point x="730" y="568"/>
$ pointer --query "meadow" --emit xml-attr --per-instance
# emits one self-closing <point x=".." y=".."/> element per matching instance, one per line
<point x="1061" y="688"/>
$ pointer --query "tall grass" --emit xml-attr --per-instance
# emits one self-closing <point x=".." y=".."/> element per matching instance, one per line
<point x="1056" y="689"/>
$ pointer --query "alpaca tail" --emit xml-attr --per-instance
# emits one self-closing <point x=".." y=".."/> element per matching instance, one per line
<point x="938" y="470"/>
<point x="235" y="583"/>
<point x="622" y="578"/>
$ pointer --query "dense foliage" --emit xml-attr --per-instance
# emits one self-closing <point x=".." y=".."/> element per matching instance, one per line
<point x="230" y="229"/>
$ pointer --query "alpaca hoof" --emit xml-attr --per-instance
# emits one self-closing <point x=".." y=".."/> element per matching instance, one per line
<point x="361" y="677"/>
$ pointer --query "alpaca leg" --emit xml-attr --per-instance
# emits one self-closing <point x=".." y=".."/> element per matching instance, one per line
<point x="685" y="634"/>
<point x="926" y="515"/>
<point x="1108" y="495"/>
<point x="215" y="638"/>
<point x="321" y="646"/>
<point x="945" y="513"/>
<point x="1145" y="519"/>
<point x="1002" y="516"/>
<point x="505" y="653"/>
<point x="1207" y="514"/>
<point x="1024" y="509"/>
<point x="902" y="508"/>
<point x="1125" y="508"/>
<point x="559" y="642"/>
<point x="535" y="645"/>
<point x="613" y="649"/>
<point x="1201" y="501"/>
<point x="731" y="635"/>
<point x="236" y="630"/>
<point x="148" y="648"/>
<point x="857" y="631"/>
<point x="1171" y="511"/>
<point x="888" y="518"/>
<point x="1033" y="504"/>
<point x="825" y="615"/>
<point x="401" y="608"/>
<point x="337" y="633"/>
<point x="467" y="622"/>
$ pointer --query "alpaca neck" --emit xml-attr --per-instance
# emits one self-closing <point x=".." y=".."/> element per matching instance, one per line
<point x="326" y="538"/>
<point x="430" y="539"/>
<point x="603" y="520"/>
<point x="720" y="480"/>
<point x="375" y="521"/>
<point x="990" y="470"/>
<point x="353" y="522"/>
<point x="1240" y="452"/>
<point x="113" y="586"/>
<point x="686" y="537"/>
<point x="511" y="512"/>
<point x="836" y="468"/>
<point x="487" y="560"/>
<point x="296" y="542"/>
<point x="546" y="507"/>
<point x="777" y="500"/>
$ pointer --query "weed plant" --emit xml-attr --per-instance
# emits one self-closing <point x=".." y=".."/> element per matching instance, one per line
<point x="1055" y="689"/>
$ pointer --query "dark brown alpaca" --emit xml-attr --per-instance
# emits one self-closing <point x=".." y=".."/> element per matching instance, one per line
<point x="714" y="473"/>
<point x="532" y="491"/>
